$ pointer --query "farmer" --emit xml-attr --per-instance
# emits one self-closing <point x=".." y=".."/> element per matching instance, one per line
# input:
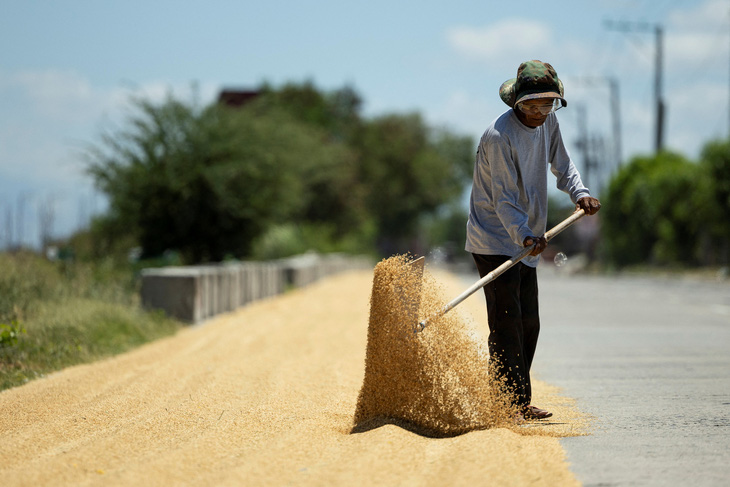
<point x="508" y="211"/>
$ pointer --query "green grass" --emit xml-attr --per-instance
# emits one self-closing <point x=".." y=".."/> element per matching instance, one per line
<point x="54" y="315"/>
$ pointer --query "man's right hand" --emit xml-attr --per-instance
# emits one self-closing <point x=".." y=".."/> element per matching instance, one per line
<point x="588" y="204"/>
<point x="540" y="244"/>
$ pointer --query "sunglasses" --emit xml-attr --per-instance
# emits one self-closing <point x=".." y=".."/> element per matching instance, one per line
<point x="542" y="109"/>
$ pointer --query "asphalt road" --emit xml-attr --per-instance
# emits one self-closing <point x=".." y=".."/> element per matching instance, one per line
<point x="649" y="357"/>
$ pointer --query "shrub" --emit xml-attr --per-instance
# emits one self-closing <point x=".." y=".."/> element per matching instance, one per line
<point x="71" y="313"/>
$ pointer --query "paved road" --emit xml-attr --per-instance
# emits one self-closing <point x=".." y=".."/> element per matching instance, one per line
<point x="650" y="359"/>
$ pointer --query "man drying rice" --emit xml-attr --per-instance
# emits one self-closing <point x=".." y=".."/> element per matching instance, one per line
<point x="508" y="211"/>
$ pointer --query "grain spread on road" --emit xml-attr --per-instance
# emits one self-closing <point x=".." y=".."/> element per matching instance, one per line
<point x="266" y="396"/>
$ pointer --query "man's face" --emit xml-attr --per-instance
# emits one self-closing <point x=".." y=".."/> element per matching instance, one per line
<point x="533" y="113"/>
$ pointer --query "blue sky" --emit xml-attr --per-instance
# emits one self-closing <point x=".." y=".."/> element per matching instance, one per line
<point x="69" y="68"/>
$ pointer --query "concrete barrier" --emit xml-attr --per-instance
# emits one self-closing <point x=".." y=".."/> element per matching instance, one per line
<point x="196" y="293"/>
<point x="176" y="290"/>
<point x="301" y="270"/>
<point x="209" y="285"/>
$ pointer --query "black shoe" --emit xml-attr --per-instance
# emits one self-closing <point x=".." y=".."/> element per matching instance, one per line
<point x="534" y="412"/>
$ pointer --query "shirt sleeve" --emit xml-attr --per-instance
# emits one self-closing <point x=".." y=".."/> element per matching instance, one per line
<point x="505" y="180"/>
<point x="561" y="165"/>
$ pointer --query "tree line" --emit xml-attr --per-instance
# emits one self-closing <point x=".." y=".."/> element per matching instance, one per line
<point x="295" y="168"/>
<point x="667" y="210"/>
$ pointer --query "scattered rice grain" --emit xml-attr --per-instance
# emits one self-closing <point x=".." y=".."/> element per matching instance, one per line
<point x="435" y="382"/>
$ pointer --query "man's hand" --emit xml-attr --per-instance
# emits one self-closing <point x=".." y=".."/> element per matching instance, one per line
<point x="540" y="244"/>
<point x="588" y="204"/>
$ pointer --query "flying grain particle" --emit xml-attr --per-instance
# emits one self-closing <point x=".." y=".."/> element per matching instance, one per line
<point x="435" y="382"/>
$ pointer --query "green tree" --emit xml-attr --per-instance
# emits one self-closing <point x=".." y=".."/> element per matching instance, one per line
<point x="714" y="200"/>
<point x="409" y="171"/>
<point x="446" y="230"/>
<point x="403" y="169"/>
<point x="208" y="181"/>
<point x="649" y="213"/>
<point x="335" y="195"/>
<point x="293" y="168"/>
<point x="337" y="112"/>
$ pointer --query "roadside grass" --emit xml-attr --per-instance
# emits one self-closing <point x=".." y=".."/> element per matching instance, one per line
<point x="54" y="315"/>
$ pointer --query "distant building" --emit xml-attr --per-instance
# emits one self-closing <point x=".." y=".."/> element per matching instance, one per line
<point x="236" y="98"/>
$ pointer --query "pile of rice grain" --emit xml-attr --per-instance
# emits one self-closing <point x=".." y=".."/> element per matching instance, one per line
<point x="434" y="382"/>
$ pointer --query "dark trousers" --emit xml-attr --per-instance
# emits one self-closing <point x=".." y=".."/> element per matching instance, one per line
<point x="514" y="323"/>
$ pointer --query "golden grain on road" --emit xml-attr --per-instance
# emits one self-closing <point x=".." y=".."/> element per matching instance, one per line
<point x="266" y="396"/>
<point x="436" y="381"/>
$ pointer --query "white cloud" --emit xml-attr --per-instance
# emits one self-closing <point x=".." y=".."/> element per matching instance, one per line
<point x="697" y="40"/>
<point x="687" y="117"/>
<point x="500" y="41"/>
<point x="695" y="71"/>
<point x="51" y="114"/>
<point x="698" y="53"/>
<point x="57" y="95"/>
<point x="467" y="113"/>
<point x="696" y="76"/>
<point x="54" y="94"/>
<point x="501" y="46"/>
<point x="709" y="15"/>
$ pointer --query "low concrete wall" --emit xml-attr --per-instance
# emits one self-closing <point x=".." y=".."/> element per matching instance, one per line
<point x="176" y="290"/>
<point x="195" y="293"/>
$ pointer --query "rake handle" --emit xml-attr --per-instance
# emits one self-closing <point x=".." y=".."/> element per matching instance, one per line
<point x="499" y="270"/>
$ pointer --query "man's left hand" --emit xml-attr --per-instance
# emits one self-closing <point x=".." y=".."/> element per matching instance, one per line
<point x="588" y="204"/>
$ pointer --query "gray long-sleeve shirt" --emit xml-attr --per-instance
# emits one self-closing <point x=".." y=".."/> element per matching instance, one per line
<point x="509" y="197"/>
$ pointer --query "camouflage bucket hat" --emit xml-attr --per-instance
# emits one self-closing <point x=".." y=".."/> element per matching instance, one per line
<point x="535" y="79"/>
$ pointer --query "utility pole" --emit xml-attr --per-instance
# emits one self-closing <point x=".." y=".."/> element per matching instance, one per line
<point x="23" y="198"/>
<point x="8" y="237"/>
<point x="659" y="143"/>
<point x="616" y="118"/>
<point x="593" y="153"/>
<point x="598" y="153"/>
<point x="613" y="88"/>
<point x="625" y="26"/>
<point x="583" y="144"/>
<point x="46" y="218"/>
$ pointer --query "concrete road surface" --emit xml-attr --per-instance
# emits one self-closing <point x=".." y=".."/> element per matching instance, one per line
<point x="649" y="357"/>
